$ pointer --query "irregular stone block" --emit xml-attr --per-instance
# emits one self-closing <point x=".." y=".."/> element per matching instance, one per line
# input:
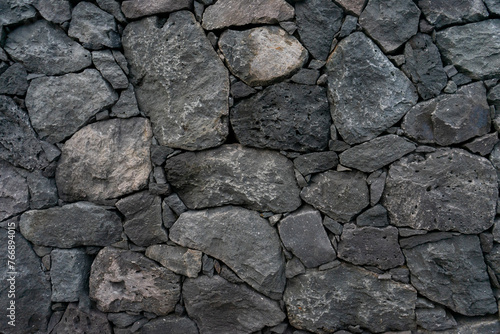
<point x="112" y="7"/>
<point x="483" y="145"/>
<point x="14" y="195"/>
<point x="316" y="162"/>
<point x="443" y="13"/>
<point x="43" y="191"/>
<point x="110" y="70"/>
<point x="14" y="80"/>
<point x="57" y="11"/>
<point x="69" y="274"/>
<point x="493" y="6"/>
<point x="138" y="8"/>
<point x="126" y="106"/>
<point x="180" y="260"/>
<point x="15" y="11"/>
<point x="170" y="324"/>
<point x="435" y="319"/>
<point x="354" y="6"/>
<point x="376" y="217"/>
<point x="78" y="320"/>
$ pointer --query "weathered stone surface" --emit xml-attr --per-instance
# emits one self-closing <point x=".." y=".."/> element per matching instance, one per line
<point x="110" y="70"/>
<point x="478" y="57"/>
<point x="14" y="80"/>
<point x="452" y="272"/>
<point x="340" y="195"/>
<point x="241" y="239"/>
<point x="420" y="237"/>
<point x="329" y="300"/>
<point x="303" y="234"/>
<point x="127" y="281"/>
<point x="284" y="116"/>
<point x="354" y="6"/>
<point x="180" y="260"/>
<point x="483" y="325"/>
<point x="59" y="106"/>
<point x="138" y="8"/>
<point x="126" y="106"/>
<point x="450" y="118"/>
<point x="78" y="320"/>
<point x="450" y="190"/>
<point x="317" y="22"/>
<point x="197" y="179"/>
<point x="170" y="324"/>
<point x="294" y="267"/>
<point x="218" y="306"/>
<point x="483" y="145"/>
<point x="43" y="191"/>
<point x="383" y="94"/>
<point x="306" y="76"/>
<point x="493" y="259"/>
<point x="494" y="96"/>
<point x="14" y="195"/>
<point x="377" y="186"/>
<point x="371" y="246"/>
<point x="493" y="6"/>
<point x="227" y="13"/>
<point x="180" y="82"/>
<point x="390" y="22"/>
<point x="43" y="48"/>
<point x="423" y="65"/>
<point x="239" y="90"/>
<point x="69" y="274"/>
<point x="442" y="13"/>
<point x="105" y="160"/>
<point x="57" y="11"/>
<point x="113" y="7"/>
<point x="376" y="217"/>
<point x="15" y="11"/>
<point x="376" y="153"/>
<point x="263" y="55"/>
<point x="316" y="162"/>
<point x="435" y="319"/>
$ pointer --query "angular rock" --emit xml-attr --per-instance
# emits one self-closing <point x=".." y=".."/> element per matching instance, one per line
<point x="284" y="116"/>
<point x="69" y="274"/>
<point x="452" y="272"/>
<point x="354" y="6"/>
<point x="483" y="145"/>
<point x="218" y="306"/>
<point x="227" y="13"/>
<point x="14" y="80"/>
<point x="43" y="48"/>
<point x="263" y="55"/>
<point x="240" y="90"/>
<point x="176" y="204"/>
<point x="486" y="325"/>
<point x="421" y="239"/>
<point x="123" y="280"/>
<point x="306" y="76"/>
<point x="376" y="217"/>
<point x="443" y="13"/>
<point x="478" y="57"/>
<point x="377" y="186"/>
<point x="316" y="162"/>
<point x="329" y="300"/>
<point x="110" y="70"/>
<point x="59" y="106"/>
<point x="112" y="7"/>
<point x="493" y="259"/>
<point x="376" y="153"/>
<point x="170" y="324"/>
<point x="180" y="82"/>
<point x="493" y="6"/>
<point x="126" y="106"/>
<point x="390" y="22"/>
<point x="340" y="195"/>
<point x="137" y="8"/>
<point x="318" y="21"/>
<point x="435" y="319"/>
<point x="123" y="319"/>
<point x="180" y="260"/>
<point x="78" y="320"/>
<point x="43" y="191"/>
<point x="348" y="26"/>
<point x="57" y="11"/>
<point x="105" y="160"/>
<point x="303" y="234"/>
<point x="258" y="179"/>
<point x="14" y="195"/>
<point x="382" y="96"/>
<point x="15" y="11"/>
<point x="294" y="267"/>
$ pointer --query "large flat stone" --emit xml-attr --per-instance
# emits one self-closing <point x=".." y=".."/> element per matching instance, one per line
<point x="442" y="13"/>
<point x="14" y="194"/>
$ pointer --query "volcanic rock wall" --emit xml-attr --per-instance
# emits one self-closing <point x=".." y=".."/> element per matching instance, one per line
<point x="236" y="166"/>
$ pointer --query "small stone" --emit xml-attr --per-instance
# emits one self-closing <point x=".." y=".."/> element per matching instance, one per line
<point x="486" y="242"/>
<point x="338" y="145"/>
<point x="306" y="76"/>
<point x="180" y="260"/>
<point x="348" y="26"/>
<point x="110" y="70"/>
<point x="425" y="27"/>
<point x="43" y="191"/>
<point x="159" y="154"/>
<point x="199" y="8"/>
<point x="273" y="220"/>
<point x="353" y="6"/>
<point x="14" y="80"/>
<point x="494" y="95"/>
<point x="461" y="79"/>
<point x="102" y="115"/>
<point x="137" y="8"/>
<point x="450" y="70"/>
<point x="442" y="13"/>
<point x="400" y="275"/>
<point x="120" y="60"/>
<point x="377" y="188"/>
<point x="123" y="319"/>
<point x="57" y="11"/>
<point x="451" y="87"/>
<point x="168" y="215"/>
<point x="176" y="204"/>
<point x="408" y="232"/>
<point x="435" y="319"/>
<point x="375" y="217"/>
<point x="160" y="189"/>
<point x="159" y="175"/>
<point x="332" y="226"/>
<point x="316" y="162"/>
<point x="14" y="195"/>
<point x="322" y="80"/>
<point x="483" y="145"/>
<point x="420" y="237"/>
<point x="293" y="268"/>
<point x="208" y="265"/>
<point x="240" y="90"/>
<point x="170" y="324"/>
<point x="316" y="64"/>
<point x="113" y="8"/>
<point x="69" y="274"/>
<point x="290" y="27"/>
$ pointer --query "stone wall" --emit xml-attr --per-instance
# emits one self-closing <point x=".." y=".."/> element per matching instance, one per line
<point x="236" y="166"/>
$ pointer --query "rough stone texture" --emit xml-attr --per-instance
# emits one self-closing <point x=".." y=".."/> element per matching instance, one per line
<point x="126" y="106"/>
<point x="15" y="11"/>
<point x="79" y="320"/>
<point x="105" y="160"/>
<point x="451" y="118"/>
<point x="258" y="179"/>
<point x="14" y="80"/>
<point x="112" y="7"/>
<point x="340" y="195"/>
<point x="57" y="11"/>
<point x="180" y="82"/>
<point x="69" y="274"/>
<point x="263" y="55"/>
<point x="180" y="260"/>
<point x="72" y="225"/>
<point x="241" y="239"/>
<point x="483" y="325"/>
<point x="354" y="6"/>
<point x="453" y="190"/>
<point x="14" y="195"/>
<point x="442" y="13"/>
<point x="493" y="6"/>
<point x="218" y="306"/>
<point x="227" y="13"/>
<point x="316" y="162"/>
<point x="43" y="48"/>
<point x="333" y="299"/>
<point x="435" y="319"/>
<point x="493" y="259"/>
<point x="59" y="106"/>
<point x="375" y="216"/>
<point x="170" y="324"/>
<point x="452" y="272"/>
<point x="138" y="8"/>
<point x="376" y="153"/>
<point x="390" y="22"/>
<point x="483" y="145"/>
<point x="284" y="116"/>
<point x="110" y="70"/>
<point x="303" y="234"/>
<point x="317" y="23"/>
<point x="128" y="281"/>
<point x="478" y="57"/>
<point x="382" y="96"/>
<point x="43" y="191"/>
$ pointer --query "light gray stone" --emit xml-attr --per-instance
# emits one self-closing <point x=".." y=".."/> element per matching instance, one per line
<point x="441" y="13"/>
<point x="14" y="194"/>
<point x="137" y="8"/>
<point x="493" y="6"/>
<point x="180" y="260"/>
<point x="69" y="274"/>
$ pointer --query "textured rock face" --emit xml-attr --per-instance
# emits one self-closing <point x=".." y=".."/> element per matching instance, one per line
<point x="13" y="80"/>
<point x="69" y="274"/>
<point x="110" y="70"/>
<point x="442" y="13"/>
<point x="76" y="320"/>
<point x="241" y="239"/>
<point x="180" y="260"/>
<point x="450" y="190"/>
<point x="170" y="323"/>
<point x="180" y="82"/>
<point x="57" y="11"/>
<point x="105" y="160"/>
<point x="330" y="300"/>
<point x="14" y="11"/>
<point x="383" y="94"/>
<point x="14" y="194"/>
<point x="261" y="56"/>
<point x="197" y="179"/>
<point x="138" y="8"/>
<point x="316" y="162"/>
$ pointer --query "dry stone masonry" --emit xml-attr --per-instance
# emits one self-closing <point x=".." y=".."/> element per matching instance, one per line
<point x="249" y="166"/>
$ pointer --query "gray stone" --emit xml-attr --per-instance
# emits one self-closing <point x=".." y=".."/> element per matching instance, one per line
<point x="376" y="153"/>
<point x="159" y="154"/>
<point x="417" y="238"/>
<point x="303" y="234"/>
<point x="289" y="26"/>
<point x="382" y="96"/>
<point x="329" y="300"/>
<point x="294" y="267"/>
<point x="494" y="95"/>
<point x="481" y="325"/>
<point x="79" y="320"/>
<point x="15" y="11"/>
<point x="376" y="217"/>
<point x="348" y="26"/>
<point x="442" y="13"/>
<point x="284" y="116"/>
<point x="316" y="162"/>
<point x="451" y="87"/>
<point x="123" y="280"/>
<point x="483" y="145"/>
<point x="340" y="195"/>
<point x="57" y="11"/>
<point x="180" y="82"/>
<point x="170" y="324"/>
<point x="493" y="259"/>
<point x="240" y="90"/>
<point x="69" y="274"/>
<point x="435" y="319"/>
<point x="218" y="306"/>
<point x="14" y="195"/>
<point x="123" y="319"/>
<point x="180" y="260"/>
<point x="14" y="80"/>
<point x="333" y="226"/>
<point x="196" y="177"/>
<point x="43" y="48"/>
<point x="452" y="272"/>
<point x="227" y="13"/>
<point x="263" y="55"/>
<point x="112" y="7"/>
<point x="486" y="242"/>
<point x="306" y="76"/>
<point x="168" y="215"/>
<point x="377" y="187"/>
<point x="176" y="204"/>
<point x="126" y="106"/>
<point x="110" y="70"/>
<point x="493" y="6"/>
<point x="318" y="21"/>
<point x="58" y="106"/>
<point x="461" y="79"/>
<point x="241" y="239"/>
<point x="72" y="225"/>
<point x="208" y="265"/>
<point x="43" y="191"/>
<point x="449" y="190"/>
<point x="105" y="160"/>
<point x="138" y="8"/>
<point x="478" y="57"/>
<point x="353" y="6"/>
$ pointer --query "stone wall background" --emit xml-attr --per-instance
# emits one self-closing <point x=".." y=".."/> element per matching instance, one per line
<point x="254" y="166"/>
